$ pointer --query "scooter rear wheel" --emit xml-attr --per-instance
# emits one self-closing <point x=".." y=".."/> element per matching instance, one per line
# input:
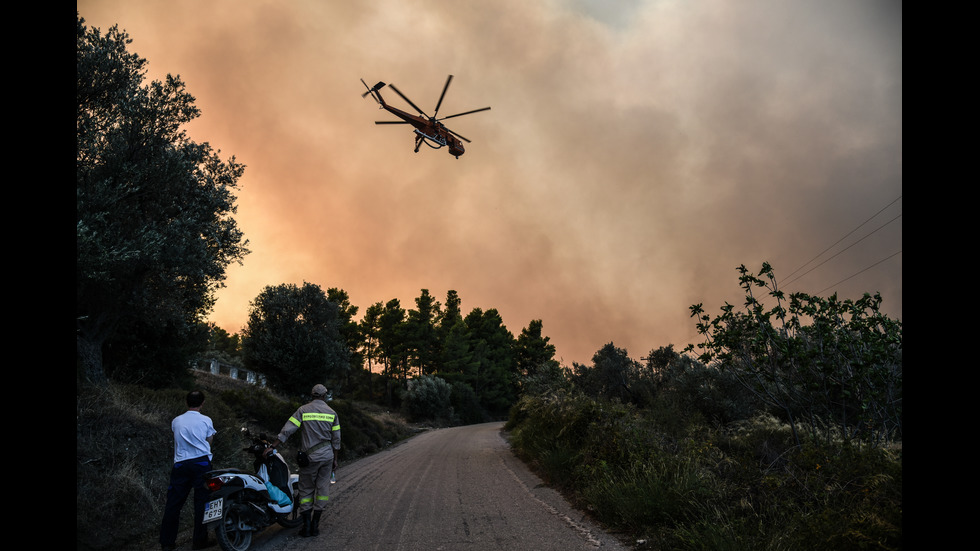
<point x="230" y="531"/>
<point x="292" y="519"/>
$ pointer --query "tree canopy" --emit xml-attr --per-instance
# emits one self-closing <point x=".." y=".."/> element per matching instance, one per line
<point x="476" y="355"/>
<point x="823" y="360"/>
<point x="155" y="228"/>
<point x="293" y="337"/>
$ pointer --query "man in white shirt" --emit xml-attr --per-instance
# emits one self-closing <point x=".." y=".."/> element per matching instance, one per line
<point x="193" y="434"/>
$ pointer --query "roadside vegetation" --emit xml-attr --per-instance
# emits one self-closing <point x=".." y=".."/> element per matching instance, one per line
<point x="789" y="439"/>
<point x="699" y="486"/>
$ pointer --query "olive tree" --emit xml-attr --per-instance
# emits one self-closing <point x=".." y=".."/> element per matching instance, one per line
<point x="154" y="225"/>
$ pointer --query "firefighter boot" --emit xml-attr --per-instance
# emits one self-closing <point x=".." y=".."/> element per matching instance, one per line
<point x="305" y="530"/>
<point x="315" y="524"/>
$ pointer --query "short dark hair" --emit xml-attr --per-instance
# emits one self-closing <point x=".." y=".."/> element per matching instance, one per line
<point x="195" y="398"/>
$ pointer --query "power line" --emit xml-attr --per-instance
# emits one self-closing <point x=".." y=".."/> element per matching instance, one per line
<point x="843" y="238"/>
<point x="864" y="270"/>
<point x="844" y="249"/>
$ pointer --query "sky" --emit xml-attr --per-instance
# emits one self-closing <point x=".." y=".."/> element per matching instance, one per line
<point x="635" y="154"/>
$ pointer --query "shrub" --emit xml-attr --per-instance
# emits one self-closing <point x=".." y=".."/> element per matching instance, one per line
<point x="689" y="390"/>
<point x="818" y="361"/>
<point x="428" y="397"/>
<point x="697" y="487"/>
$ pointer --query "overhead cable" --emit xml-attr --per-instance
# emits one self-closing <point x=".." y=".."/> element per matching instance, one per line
<point x="843" y="238"/>
<point x="842" y="250"/>
<point x="864" y="270"/>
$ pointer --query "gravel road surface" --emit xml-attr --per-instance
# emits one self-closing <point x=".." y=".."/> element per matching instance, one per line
<point x="455" y="489"/>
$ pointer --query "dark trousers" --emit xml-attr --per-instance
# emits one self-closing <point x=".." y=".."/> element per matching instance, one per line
<point x="184" y="477"/>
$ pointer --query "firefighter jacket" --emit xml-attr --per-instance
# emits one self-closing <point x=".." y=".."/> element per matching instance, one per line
<point x="321" y="430"/>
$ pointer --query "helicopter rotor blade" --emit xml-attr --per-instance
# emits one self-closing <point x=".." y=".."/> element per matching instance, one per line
<point x="466" y="113"/>
<point x="458" y="136"/>
<point x="390" y="122"/>
<point x="397" y="91"/>
<point x="444" y="88"/>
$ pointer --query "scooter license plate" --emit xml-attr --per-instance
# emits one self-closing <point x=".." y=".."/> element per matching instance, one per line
<point x="212" y="511"/>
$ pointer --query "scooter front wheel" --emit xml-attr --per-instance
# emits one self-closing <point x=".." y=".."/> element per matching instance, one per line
<point x="231" y="532"/>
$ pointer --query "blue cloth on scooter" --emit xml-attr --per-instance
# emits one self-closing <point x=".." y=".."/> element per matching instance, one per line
<point x="278" y="495"/>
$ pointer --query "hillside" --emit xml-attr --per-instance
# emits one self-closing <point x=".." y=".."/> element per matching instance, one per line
<point x="124" y="448"/>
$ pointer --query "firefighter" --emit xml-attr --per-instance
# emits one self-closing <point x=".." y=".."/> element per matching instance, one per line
<point x="317" y="459"/>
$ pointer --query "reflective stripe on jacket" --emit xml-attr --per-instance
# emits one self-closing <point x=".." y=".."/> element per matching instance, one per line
<point x="320" y="424"/>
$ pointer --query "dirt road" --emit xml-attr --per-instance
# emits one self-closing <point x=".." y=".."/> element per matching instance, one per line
<point x="456" y="489"/>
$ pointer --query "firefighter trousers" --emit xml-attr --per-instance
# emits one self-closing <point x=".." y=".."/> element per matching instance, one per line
<point x="314" y="485"/>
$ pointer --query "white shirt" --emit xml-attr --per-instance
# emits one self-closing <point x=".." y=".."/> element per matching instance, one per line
<point x="191" y="433"/>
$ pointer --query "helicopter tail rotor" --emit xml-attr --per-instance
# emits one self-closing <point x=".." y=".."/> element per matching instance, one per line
<point x="371" y="91"/>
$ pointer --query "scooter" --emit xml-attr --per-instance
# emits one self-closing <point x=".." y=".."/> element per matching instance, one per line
<point x="243" y="504"/>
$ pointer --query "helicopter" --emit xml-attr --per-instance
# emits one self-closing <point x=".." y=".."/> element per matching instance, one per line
<point x="428" y="130"/>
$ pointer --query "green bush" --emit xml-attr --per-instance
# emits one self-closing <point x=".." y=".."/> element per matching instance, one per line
<point x="428" y="397"/>
<point x="743" y="486"/>
<point x="819" y="361"/>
